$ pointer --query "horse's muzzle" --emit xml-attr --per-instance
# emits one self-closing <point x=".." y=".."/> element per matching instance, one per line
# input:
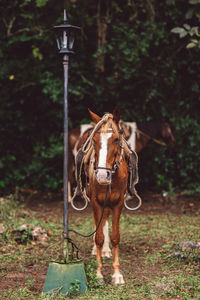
<point x="103" y="175"/>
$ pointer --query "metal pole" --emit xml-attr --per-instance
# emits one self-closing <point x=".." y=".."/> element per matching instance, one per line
<point x="65" y="166"/>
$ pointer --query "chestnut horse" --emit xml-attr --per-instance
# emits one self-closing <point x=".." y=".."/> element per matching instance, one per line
<point x="107" y="171"/>
<point x="152" y="131"/>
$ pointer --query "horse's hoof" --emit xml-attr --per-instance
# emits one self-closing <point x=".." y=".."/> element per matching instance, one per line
<point x="94" y="252"/>
<point x="101" y="281"/>
<point x="118" y="279"/>
<point x="106" y="253"/>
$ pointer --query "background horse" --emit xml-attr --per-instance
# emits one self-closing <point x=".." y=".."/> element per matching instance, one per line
<point x="107" y="167"/>
<point x="151" y="131"/>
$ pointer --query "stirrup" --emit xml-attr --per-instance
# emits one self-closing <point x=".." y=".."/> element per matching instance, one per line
<point x="128" y="197"/>
<point x="82" y="196"/>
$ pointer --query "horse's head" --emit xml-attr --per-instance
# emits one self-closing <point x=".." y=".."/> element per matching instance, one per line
<point x="166" y="133"/>
<point x="106" y="140"/>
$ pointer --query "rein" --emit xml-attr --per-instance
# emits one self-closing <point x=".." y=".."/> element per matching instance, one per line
<point x="151" y="138"/>
<point x="97" y="227"/>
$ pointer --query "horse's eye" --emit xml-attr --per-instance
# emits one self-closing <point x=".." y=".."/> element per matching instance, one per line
<point x="116" y="140"/>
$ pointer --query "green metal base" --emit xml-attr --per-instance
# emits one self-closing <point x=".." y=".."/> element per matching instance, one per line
<point x="66" y="279"/>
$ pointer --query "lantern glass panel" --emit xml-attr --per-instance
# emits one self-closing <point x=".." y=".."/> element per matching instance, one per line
<point x="58" y="41"/>
<point x="64" y="39"/>
<point x="71" y="39"/>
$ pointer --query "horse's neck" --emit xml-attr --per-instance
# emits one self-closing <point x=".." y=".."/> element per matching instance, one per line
<point x="151" y="128"/>
<point x="141" y="142"/>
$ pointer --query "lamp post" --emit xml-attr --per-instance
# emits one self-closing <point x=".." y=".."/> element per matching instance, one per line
<point x="65" y="35"/>
<point x="61" y="276"/>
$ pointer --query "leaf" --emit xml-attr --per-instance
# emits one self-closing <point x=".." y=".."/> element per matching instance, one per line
<point x="41" y="3"/>
<point x="187" y="26"/>
<point x="189" y="14"/>
<point x="179" y="30"/>
<point x="194" y="2"/>
<point x="190" y="45"/>
<point x="196" y="30"/>
<point x="36" y="53"/>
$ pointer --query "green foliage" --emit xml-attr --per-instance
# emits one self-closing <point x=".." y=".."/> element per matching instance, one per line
<point x="90" y="269"/>
<point x="191" y="31"/>
<point x="148" y="73"/>
<point x="74" y="288"/>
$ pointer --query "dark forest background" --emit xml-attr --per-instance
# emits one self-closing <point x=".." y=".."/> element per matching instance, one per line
<point x="143" y="56"/>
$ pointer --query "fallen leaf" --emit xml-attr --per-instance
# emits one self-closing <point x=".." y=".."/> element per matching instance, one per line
<point x="2" y="228"/>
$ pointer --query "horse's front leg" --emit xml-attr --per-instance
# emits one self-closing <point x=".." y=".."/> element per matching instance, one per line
<point x="117" y="277"/>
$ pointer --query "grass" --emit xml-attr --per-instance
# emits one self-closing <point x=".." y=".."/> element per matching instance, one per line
<point x="146" y="254"/>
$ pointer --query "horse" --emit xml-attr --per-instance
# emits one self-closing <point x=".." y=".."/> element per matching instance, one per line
<point x="152" y="131"/>
<point x="107" y="173"/>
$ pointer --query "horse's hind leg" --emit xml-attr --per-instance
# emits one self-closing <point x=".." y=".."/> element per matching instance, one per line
<point x="117" y="277"/>
<point x="69" y="192"/>
<point x="99" y="238"/>
<point x="106" y="251"/>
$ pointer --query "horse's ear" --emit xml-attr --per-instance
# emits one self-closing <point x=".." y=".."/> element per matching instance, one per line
<point x="116" y="114"/>
<point x="94" y="117"/>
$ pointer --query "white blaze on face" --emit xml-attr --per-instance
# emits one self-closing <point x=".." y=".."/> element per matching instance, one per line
<point x="104" y="149"/>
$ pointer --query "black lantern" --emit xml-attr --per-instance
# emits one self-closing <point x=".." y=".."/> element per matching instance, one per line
<point x="65" y="35"/>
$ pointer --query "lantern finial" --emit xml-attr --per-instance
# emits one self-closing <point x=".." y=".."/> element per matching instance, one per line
<point x="65" y="16"/>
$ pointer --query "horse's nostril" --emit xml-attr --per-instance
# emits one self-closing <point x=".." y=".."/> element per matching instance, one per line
<point x="108" y="175"/>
